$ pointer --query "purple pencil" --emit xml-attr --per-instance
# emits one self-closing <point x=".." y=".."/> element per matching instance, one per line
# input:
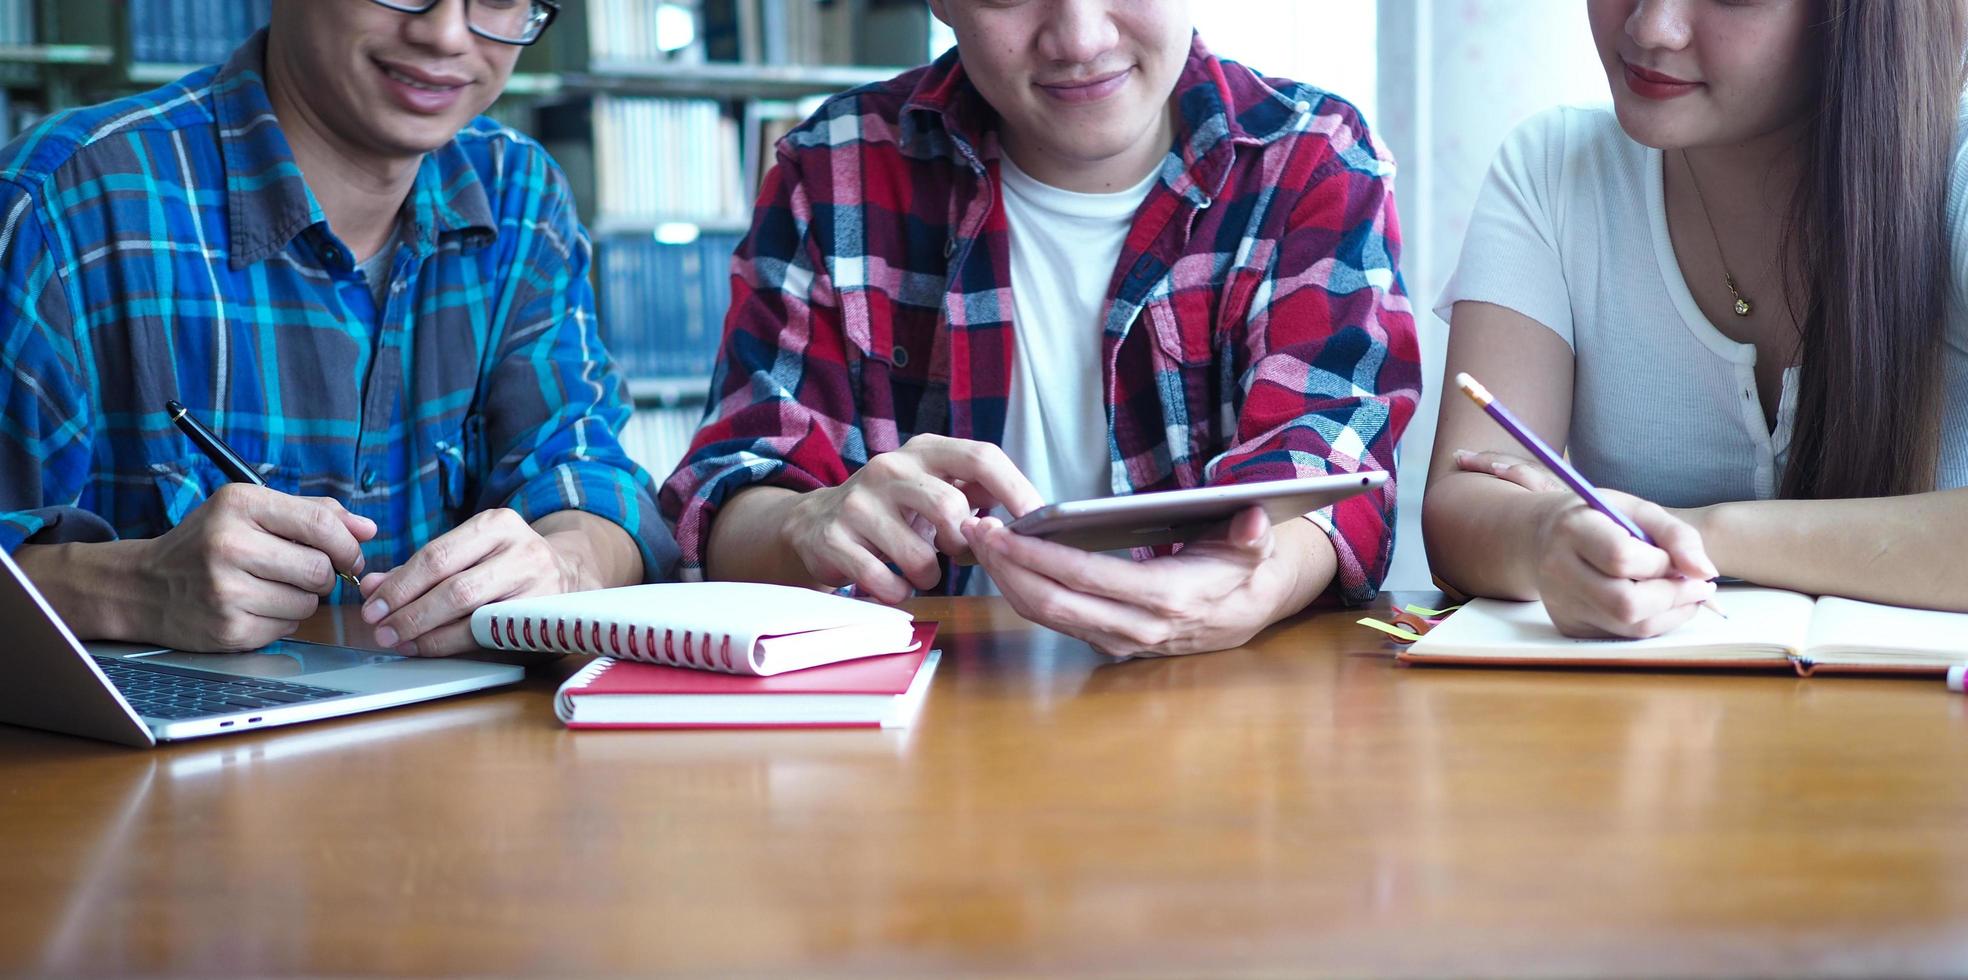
<point x="1556" y="463"/>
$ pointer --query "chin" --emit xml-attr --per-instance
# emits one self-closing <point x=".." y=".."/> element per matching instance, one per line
<point x="1647" y="125"/>
<point x="1096" y="146"/>
<point x="404" y="144"/>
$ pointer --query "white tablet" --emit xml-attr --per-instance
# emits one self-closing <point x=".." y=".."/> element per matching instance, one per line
<point x="1144" y="520"/>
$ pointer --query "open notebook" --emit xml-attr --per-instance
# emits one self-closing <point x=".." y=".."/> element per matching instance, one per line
<point x="1765" y="628"/>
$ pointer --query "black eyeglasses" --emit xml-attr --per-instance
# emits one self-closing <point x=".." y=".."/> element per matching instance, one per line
<point x="518" y="22"/>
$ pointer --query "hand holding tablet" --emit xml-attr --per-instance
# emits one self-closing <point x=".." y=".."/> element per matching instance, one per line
<point x="1245" y="562"/>
<point x="1148" y="519"/>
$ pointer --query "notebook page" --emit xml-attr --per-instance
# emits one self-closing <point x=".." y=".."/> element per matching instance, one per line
<point x="1763" y="625"/>
<point x="1850" y="631"/>
<point x="798" y="651"/>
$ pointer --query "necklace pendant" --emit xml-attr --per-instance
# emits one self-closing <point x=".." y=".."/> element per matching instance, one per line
<point x="1742" y="306"/>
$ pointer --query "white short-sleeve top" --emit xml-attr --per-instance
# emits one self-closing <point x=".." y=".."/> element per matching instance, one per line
<point x="1570" y="229"/>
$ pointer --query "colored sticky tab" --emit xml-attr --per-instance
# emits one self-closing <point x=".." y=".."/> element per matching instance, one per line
<point x="1404" y="635"/>
<point x="1432" y="613"/>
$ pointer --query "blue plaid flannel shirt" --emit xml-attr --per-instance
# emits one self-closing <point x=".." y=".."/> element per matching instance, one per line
<point x="165" y="246"/>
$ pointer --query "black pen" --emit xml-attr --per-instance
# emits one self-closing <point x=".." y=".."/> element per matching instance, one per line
<point x="222" y="456"/>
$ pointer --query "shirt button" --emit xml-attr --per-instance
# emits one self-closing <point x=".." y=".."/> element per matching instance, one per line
<point x="900" y="355"/>
<point x="949" y="248"/>
<point x="368" y="479"/>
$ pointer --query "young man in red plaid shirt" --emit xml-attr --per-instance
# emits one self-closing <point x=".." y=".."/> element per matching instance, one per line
<point x="1078" y="256"/>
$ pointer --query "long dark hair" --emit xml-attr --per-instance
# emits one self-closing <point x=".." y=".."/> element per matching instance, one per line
<point x="1870" y="220"/>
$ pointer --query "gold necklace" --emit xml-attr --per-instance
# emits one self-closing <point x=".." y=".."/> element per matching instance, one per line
<point x="1742" y="305"/>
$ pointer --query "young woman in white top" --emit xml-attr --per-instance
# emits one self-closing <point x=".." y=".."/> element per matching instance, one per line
<point x="1730" y="297"/>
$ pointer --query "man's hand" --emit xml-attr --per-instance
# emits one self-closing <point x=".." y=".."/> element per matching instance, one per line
<point x="247" y="567"/>
<point x="423" y="607"/>
<point x="1210" y="595"/>
<point x="886" y="512"/>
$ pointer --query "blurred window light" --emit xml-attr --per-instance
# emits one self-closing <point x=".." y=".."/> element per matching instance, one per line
<point x="1328" y="43"/>
<point x="676" y="27"/>
<point x="677" y="232"/>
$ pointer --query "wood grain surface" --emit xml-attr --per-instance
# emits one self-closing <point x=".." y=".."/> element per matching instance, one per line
<point x="1301" y="806"/>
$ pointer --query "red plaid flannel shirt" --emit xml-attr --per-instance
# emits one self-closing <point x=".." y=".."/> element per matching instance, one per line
<point x="1258" y="328"/>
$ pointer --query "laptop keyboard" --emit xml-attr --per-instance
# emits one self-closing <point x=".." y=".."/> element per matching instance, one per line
<point x="173" y="693"/>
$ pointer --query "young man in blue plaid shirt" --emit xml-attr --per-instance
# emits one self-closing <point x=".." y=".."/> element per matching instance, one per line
<point x="377" y="299"/>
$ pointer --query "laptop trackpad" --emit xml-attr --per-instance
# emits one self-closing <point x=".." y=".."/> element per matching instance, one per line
<point x="282" y="659"/>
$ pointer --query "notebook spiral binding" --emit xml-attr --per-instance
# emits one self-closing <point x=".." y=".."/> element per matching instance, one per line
<point x="564" y="702"/>
<point x="704" y="651"/>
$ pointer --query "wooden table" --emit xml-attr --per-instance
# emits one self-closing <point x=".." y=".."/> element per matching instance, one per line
<point x="1299" y="806"/>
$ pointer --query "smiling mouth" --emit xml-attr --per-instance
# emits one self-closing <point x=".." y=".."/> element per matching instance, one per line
<point x="1083" y="83"/>
<point x="417" y="83"/>
<point x="1655" y="78"/>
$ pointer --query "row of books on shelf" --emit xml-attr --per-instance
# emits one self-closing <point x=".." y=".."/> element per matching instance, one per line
<point x="663" y="304"/>
<point x="636" y="33"/>
<point x="667" y="159"/>
<point x="638" y="162"/>
<point x="17" y="22"/>
<point x="658" y="436"/>
<point x="622" y="34"/>
<point x="192" y="32"/>
<point x="642" y="32"/>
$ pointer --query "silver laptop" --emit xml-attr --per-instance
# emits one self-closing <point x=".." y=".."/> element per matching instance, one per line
<point x="142" y="695"/>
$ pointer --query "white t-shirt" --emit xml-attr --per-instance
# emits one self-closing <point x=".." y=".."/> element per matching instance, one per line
<point x="1570" y="230"/>
<point x="1064" y="247"/>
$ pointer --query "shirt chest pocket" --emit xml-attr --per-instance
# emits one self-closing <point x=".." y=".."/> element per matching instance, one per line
<point x="183" y="485"/>
<point x="1197" y="335"/>
<point x="1190" y="322"/>
<point x="902" y="367"/>
<point x="461" y="458"/>
<point x="1182" y="327"/>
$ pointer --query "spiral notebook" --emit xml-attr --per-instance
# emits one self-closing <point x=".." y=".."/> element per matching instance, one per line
<point x="728" y="627"/>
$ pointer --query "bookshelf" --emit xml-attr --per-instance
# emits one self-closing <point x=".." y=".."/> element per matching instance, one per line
<point x="662" y="112"/>
<point x="26" y="53"/>
<point x="729" y="81"/>
<point x="699" y="109"/>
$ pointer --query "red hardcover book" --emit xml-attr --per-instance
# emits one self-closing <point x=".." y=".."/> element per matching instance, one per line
<point x="871" y="692"/>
